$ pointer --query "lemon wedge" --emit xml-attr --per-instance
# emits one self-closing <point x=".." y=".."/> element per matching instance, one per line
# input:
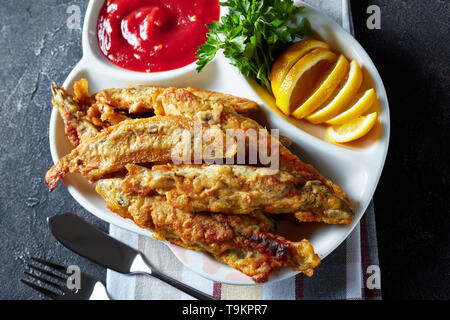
<point x="298" y="81"/>
<point x="289" y="57"/>
<point x="325" y="90"/>
<point x="342" y="98"/>
<point x="362" y="105"/>
<point x="352" y="130"/>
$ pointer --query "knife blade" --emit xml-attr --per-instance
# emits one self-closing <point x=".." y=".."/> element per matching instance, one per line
<point x="84" y="239"/>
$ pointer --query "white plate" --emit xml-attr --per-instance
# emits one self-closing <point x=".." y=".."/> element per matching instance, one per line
<point x="355" y="167"/>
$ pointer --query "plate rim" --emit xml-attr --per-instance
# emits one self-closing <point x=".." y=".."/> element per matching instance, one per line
<point x="118" y="221"/>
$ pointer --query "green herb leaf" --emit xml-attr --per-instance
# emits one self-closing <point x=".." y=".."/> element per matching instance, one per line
<point x="252" y="35"/>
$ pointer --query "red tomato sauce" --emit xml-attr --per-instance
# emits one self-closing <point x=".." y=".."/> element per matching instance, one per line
<point x="154" y="35"/>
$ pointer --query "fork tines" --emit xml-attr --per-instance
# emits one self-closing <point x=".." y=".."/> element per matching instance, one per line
<point x="52" y="286"/>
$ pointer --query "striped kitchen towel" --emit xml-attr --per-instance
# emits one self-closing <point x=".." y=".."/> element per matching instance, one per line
<point x="345" y="273"/>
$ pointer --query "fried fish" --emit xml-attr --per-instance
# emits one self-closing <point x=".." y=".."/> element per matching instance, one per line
<point x="113" y="105"/>
<point x="235" y="189"/>
<point x="152" y="139"/>
<point x="244" y="242"/>
<point x="76" y="124"/>
<point x="141" y="99"/>
<point x="84" y="115"/>
<point x="183" y="102"/>
<point x="173" y="101"/>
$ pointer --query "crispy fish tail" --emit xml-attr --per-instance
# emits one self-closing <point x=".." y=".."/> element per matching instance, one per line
<point x="55" y="174"/>
<point x="77" y="127"/>
<point x="304" y="258"/>
<point x="104" y="116"/>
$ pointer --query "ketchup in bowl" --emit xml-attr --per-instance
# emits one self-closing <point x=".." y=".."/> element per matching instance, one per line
<point x="154" y="35"/>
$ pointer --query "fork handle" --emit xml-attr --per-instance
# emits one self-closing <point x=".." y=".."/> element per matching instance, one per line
<point x="181" y="286"/>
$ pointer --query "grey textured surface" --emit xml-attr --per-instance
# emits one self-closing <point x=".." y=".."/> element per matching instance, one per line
<point x="411" y="52"/>
<point x="36" y="48"/>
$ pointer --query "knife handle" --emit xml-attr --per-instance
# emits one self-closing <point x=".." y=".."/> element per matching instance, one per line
<point x="140" y="265"/>
<point x="181" y="286"/>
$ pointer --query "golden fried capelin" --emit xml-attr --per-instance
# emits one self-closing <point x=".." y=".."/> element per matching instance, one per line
<point x="154" y="139"/>
<point x="238" y="189"/>
<point x="244" y="242"/>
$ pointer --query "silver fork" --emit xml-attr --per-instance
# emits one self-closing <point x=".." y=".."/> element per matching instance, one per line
<point x="57" y="288"/>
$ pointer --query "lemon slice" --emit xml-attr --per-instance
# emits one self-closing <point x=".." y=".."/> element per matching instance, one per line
<point x="352" y="130"/>
<point x="362" y="105"/>
<point x="289" y="57"/>
<point x="316" y="59"/>
<point x="342" y="98"/>
<point x="326" y="89"/>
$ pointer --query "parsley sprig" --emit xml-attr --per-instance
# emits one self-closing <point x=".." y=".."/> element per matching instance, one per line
<point x="252" y="35"/>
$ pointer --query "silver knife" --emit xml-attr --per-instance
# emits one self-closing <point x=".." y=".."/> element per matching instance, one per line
<point x="95" y="245"/>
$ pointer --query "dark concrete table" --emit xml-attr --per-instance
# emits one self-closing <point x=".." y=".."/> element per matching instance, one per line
<point x="36" y="48"/>
<point x="411" y="51"/>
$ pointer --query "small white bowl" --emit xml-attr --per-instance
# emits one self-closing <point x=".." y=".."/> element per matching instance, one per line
<point x="355" y="167"/>
<point x="92" y="53"/>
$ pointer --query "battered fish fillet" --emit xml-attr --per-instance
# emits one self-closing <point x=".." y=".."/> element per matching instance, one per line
<point x="100" y="115"/>
<point x="183" y="102"/>
<point x="175" y="101"/>
<point x="244" y="242"/>
<point x="76" y="124"/>
<point x="234" y="189"/>
<point x="139" y="99"/>
<point x="154" y="139"/>
<point x="122" y="100"/>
